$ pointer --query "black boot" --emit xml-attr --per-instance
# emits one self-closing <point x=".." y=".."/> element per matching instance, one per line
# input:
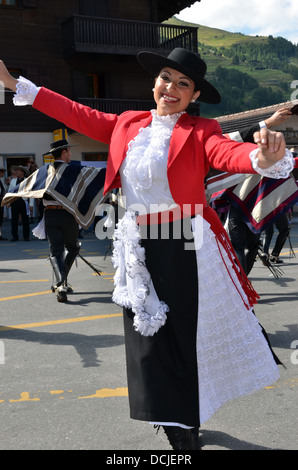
<point x="69" y="258"/>
<point x="60" y="275"/>
<point x="182" y="439"/>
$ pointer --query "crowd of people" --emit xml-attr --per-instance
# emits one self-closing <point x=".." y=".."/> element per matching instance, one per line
<point x="21" y="212"/>
<point x="187" y="353"/>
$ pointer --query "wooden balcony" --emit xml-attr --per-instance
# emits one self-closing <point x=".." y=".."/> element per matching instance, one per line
<point x="112" y="36"/>
<point x="115" y="106"/>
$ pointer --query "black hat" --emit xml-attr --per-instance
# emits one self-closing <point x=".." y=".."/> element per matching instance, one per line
<point x="2" y="169"/>
<point x="58" y="145"/>
<point x="186" y="62"/>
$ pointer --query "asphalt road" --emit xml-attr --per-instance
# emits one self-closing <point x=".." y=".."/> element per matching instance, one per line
<point x="62" y="366"/>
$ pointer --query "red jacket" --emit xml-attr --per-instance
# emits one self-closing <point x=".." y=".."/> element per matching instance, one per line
<point x="196" y="144"/>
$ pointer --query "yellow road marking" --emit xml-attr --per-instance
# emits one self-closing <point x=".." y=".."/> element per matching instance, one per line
<point x="102" y="393"/>
<point x="25" y="295"/>
<point x="58" y="322"/>
<point x="29" y="280"/>
<point x="13" y="297"/>
<point x="25" y="397"/>
<point x="108" y="392"/>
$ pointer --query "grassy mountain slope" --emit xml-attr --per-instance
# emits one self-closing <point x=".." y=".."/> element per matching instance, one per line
<point x="264" y="59"/>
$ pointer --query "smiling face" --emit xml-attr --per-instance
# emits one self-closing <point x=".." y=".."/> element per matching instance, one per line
<point x="173" y="92"/>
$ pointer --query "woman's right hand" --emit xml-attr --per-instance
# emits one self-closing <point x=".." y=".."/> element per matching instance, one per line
<point x="7" y="80"/>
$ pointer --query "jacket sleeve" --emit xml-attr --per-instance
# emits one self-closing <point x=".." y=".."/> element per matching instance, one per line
<point x="225" y="154"/>
<point x="80" y="118"/>
<point x="246" y="134"/>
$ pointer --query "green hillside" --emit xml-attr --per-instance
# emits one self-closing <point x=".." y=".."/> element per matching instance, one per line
<point x="249" y="71"/>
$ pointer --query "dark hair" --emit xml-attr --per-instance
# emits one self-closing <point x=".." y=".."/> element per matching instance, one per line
<point x="57" y="153"/>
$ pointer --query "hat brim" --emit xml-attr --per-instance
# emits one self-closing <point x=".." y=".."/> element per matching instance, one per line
<point x="153" y="63"/>
<point x="62" y="147"/>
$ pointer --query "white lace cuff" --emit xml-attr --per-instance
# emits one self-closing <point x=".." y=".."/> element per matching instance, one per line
<point x="26" y="92"/>
<point x="280" y="169"/>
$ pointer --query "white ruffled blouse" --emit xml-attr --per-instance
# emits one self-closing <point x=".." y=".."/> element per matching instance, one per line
<point x="144" y="171"/>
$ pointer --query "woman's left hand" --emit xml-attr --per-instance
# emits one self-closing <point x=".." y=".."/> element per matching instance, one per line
<point x="272" y="147"/>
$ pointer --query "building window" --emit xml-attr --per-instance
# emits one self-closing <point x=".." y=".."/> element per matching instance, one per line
<point x="92" y="84"/>
<point x="95" y="85"/>
<point x="9" y="3"/>
<point x="88" y="85"/>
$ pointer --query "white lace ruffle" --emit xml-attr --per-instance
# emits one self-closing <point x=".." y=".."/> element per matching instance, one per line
<point x="26" y="92"/>
<point x="147" y="153"/>
<point x="40" y="231"/>
<point x="133" y="285"/>
<point x="280" y="169"/>
<point x="233" y="356"/>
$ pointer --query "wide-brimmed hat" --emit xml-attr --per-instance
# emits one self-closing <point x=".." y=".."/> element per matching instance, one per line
<point x="24" y="169"/>
<point x="58" y="145"/>
<point x="186" y="62"/>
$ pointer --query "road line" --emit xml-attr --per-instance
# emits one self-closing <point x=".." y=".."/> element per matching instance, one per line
<point x="25" y="295"/>
<point x="108" y="392"/>
<point x="58" y="322"/>
<point x="25" y="397"/>
<point x="104" y="393"/>
<point x="30" y="280"/>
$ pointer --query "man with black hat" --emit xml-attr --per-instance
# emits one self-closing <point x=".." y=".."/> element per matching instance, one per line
<point x="61" y="228"/>
<point x="2" y="192"/>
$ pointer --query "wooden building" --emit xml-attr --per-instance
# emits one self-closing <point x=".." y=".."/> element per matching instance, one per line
<point x="86" y="50"/>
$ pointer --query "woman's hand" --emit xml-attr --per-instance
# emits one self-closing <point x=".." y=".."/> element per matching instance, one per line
<point x="7" y="80"/>
<point x="272" y="147"/>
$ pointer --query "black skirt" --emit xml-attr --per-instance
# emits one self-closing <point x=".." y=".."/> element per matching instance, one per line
<point x="162" y="369"/>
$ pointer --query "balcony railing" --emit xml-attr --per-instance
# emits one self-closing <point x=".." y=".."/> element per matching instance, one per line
<point x="115" y="106"/>
<point x="113" y="36"/>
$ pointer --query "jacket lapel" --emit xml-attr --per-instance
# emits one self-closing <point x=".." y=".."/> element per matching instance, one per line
<point x="134" y="129"/>
<point x="132" y="132"/>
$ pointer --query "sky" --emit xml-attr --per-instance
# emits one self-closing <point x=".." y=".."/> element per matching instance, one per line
<point x="253" y="17"/>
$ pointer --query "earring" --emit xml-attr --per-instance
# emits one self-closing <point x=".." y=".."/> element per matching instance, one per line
<point x="153" y="89"/>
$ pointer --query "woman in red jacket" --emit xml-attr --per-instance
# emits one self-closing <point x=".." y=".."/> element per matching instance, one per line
<point x="192" y="339"/>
